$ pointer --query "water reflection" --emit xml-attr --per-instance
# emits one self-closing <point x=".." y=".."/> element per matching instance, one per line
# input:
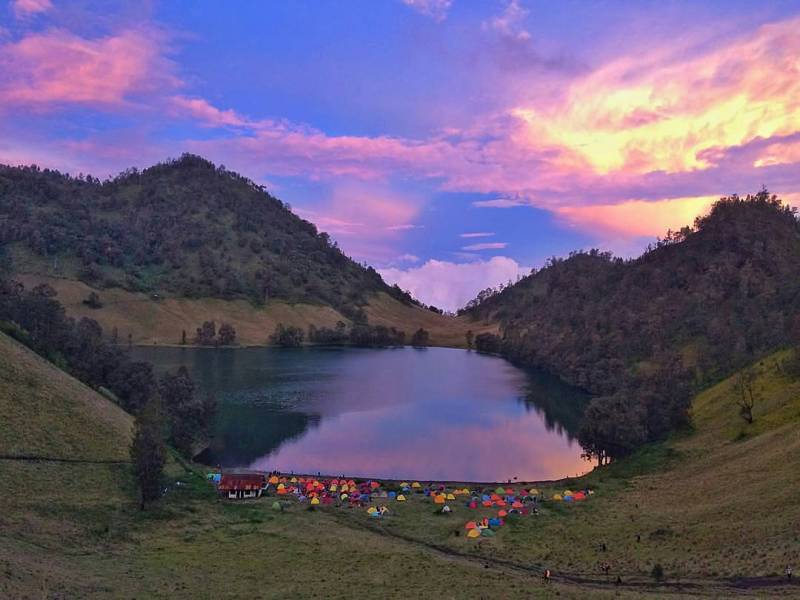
<point x="431" y="414"/>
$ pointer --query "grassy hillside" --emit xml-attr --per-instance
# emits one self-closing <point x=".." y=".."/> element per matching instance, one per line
<point x="715" y="507"/>
<point x="48" y="413"/>
<point x="162" y="321"/>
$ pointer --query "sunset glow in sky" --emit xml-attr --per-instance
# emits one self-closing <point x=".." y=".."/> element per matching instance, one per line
<point x="452" y="144"/>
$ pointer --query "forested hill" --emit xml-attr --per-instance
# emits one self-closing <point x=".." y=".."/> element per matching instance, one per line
<point x="709" y="298"/>
<point x="181" y="228"/>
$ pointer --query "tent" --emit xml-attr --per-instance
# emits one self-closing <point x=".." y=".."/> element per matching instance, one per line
<point x="495" y="522"/>
<point x="557" y="497"/>
<point x="372" y="509"/>
<point x="277" y="506"/>
<point x="314" y="501"/>
<point x="473" y="533"/>
<point x="517" y="505"/>
<point x="473" y="505"/>
<point x="487" y="503"/>
<point x="500" y="490"/>
<point x="470" y="525"/>
<point x="451" y="497"/>
<point x="401" y="498"/>
<point x="534" y="492"/>
<point x="487" y="533"/>
<point x="569" y="498"/>
<point x="343" y="497"/>
<point x="440" y="499"/>
<point x="416" y="485"/>
<point x="404" y="484"/>
<point x="392" y="495"/>
<point x="501" y="513"/>
<point x="273" y="480"/>
<point x="446" y="509"/>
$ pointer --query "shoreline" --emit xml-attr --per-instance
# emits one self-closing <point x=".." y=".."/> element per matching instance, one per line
<point x="392" y="480"/>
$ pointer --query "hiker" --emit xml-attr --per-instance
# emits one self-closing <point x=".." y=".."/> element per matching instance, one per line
<point x="788" y="572"/>
<point x="546" y="576"/>
<point x="603" y="547"/>
<point x="638" y="538"/>
<point x="618" y="581"/>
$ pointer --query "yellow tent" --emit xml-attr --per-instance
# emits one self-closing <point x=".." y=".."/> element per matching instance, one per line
<point x="372" y="510"/>
<point x="404" y="484"/>
<point x="557" y="497"/>
<point x="293" y="480"/>
<point x="534" y="492"/>
<point x="314" y="501"/>
<point x="343" y="497"/>
<point x="473" y="533"/>
<point x="401" y="498"/>
<point x="333" y="488"/>
<point x="416" y="485"/>
<point x="451" y="497"/>
<point x="281" y="486"/>
<point x="568" y="492"/>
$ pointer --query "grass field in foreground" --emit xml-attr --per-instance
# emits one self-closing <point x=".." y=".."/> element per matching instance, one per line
<point x="715" y="507"/>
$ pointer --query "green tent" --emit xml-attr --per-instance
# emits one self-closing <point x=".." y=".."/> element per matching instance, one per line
<point x="277" y="506"/>
<point x="487" y="533"/>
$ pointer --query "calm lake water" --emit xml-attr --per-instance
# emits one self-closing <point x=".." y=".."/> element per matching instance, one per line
<point x="433" y="413"/>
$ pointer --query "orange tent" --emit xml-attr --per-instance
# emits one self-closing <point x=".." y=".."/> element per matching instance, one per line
<point x="440" y="499"/>
<point x="470" y="525"/>
<point x="501" y="513"/>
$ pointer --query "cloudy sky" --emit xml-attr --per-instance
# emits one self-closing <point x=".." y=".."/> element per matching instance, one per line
<point x="452" y="144"/>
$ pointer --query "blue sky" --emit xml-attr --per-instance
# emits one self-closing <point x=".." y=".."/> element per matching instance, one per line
<point x="451" y="144"/>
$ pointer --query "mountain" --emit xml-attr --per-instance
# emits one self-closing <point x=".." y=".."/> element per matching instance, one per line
<point x="710" y="297"/>
<point x="183" y="242"/>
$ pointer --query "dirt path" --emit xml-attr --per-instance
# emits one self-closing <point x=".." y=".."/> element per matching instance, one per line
<point x="695" y="586"/>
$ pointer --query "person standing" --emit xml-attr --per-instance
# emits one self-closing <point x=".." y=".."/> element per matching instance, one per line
<point x="788" y="572"/>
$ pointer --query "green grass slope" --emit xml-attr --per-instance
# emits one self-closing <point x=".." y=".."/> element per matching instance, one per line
<point x="47" y="413"/>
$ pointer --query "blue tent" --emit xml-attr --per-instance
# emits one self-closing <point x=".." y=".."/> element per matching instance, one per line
<point x="392" y="495"/>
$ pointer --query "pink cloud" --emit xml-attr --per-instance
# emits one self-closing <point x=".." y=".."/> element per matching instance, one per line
<point x="435" y="9"/>
<point x="367" y="219"/>
<point x="477" y="234"/>
<point x="500" y="203"/>
<point x="205" y="112"/>
<point x="26" y="8"/>
<point x="510" y="23"/>
<point x="485" y="246"/>
<point x="451" y="285"/>
<point x="636" y="217"/>
<point x="57" y="67"/>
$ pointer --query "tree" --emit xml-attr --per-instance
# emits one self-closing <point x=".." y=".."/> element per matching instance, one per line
<point x="470" y="339"/>
<point x="420" y="338"/>
<point x="148" y="452"/>
<point x="226" y="336"/>
<point x="186" y="415"/>
<point x="746" y="399"/>
<point x="207" y="334"/>
<point x="287" y="336"/>
<point x="93" y="301"/>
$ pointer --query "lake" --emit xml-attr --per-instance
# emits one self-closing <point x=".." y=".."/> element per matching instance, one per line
<point x="405" y="413"/>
